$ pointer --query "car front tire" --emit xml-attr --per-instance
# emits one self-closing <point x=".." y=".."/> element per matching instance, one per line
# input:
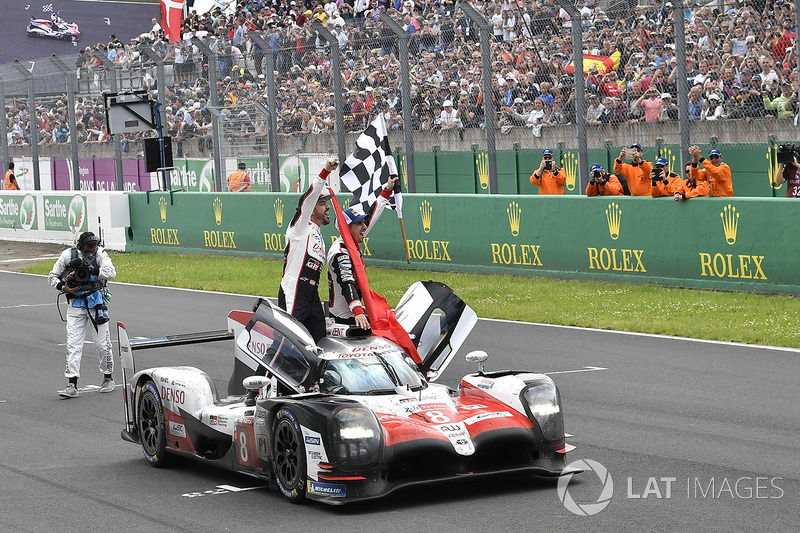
<point x="289" y="456"/>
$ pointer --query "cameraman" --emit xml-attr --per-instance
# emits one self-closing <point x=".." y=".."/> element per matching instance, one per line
<point x="662" y="181"/>
<point x="790" y="173"/>
<point x="81" y="273"/>
<point x="602" y="184"/>
<point x="637" y="172"/>
<point x="549" y="177"/>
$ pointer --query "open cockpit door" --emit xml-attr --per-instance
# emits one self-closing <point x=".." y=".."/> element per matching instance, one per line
<point x="438" y="322"/>
<point x="275" y="339"/>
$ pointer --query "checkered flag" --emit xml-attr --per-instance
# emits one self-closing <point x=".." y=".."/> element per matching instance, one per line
<point x="47" y="8"/>
<point x="367" y="170"/>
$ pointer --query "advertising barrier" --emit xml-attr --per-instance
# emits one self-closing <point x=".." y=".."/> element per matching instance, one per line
<point x="709" y="243"/>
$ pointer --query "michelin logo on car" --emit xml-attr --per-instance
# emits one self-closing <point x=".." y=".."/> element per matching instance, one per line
<point x="327" y="489"/>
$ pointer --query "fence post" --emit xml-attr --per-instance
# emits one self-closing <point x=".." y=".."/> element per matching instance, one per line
<point x="73" y="138"/>
<point x="272" y="96"/>
<point x="490" y="120"/>
<point x="213" y="93"/>
<point x="405" y="95"/>
<point x="336" y="66"/>
<point x="435" y="149"/>
<point x="580" y="91"/>
<point x="109" y="66"/>
<point x="516" y="168"/>
<point x="4" y="125"/>
<point x="683" y="87"/>
<point x="34" y="127"/>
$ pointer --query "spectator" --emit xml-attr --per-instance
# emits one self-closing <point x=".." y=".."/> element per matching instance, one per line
<point x="637" y="172"/>
<point x="651" y="104"/>
<point x="548" y="177"/>
<point x="239" y="180"/>
<point x="692" y="186"/>
<point x="602" y="184"/>
<point x="662" y="181"/>
<point x="719" y="173"/>
<point x="789" y="173"/>
<point x="783" y="105"/>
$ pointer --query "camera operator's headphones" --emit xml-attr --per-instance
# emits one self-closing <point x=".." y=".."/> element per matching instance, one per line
<point x="86" y="239"/>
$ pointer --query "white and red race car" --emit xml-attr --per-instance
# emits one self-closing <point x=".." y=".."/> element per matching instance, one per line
<point x="350" y="418"/>
<point x="54" y="28"/>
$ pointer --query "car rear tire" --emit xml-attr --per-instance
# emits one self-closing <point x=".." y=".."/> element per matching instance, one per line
<point x="289" y="456"/>
<point x="151" y="425"/>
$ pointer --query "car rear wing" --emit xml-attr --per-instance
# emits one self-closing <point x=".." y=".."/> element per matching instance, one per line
<point x="126" y="349"/>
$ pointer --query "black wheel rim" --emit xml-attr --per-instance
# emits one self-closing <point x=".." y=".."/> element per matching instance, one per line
<point x="150" y="423"/>
<point x="287" y="459"/>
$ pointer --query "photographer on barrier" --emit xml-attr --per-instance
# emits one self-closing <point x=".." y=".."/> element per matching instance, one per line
<point x="719" y="173"/>
<point x="602" y="184"/>
<point x="81" y="273"/>
<point x="694" y="184"/>
<point x="662" y="181"/>
<point x="549" y="177"/>
<point x="789" y="169"/>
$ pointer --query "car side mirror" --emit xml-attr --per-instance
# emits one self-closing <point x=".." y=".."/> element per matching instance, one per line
<point x="479" y="357"/>
<point x="255" y="382"/>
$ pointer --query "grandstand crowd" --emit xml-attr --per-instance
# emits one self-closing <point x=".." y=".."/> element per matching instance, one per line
<point x="741" y="64"/>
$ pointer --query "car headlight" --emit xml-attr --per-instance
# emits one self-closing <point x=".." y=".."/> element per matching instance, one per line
<point x="356" y="436"/>
<point x="544" y="407"/>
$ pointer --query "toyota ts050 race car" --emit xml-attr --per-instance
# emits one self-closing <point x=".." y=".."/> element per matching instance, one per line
<point x="350" y="418"/>
<point x="55" y="28"/>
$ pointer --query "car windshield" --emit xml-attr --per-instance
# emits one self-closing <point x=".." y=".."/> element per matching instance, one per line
<point x="376" y="373"/>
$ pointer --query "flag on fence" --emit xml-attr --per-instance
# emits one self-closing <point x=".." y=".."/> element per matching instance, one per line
<point x="368" y="168"/>
<point x="172" y="18"/>
<point x="382" y="319"/>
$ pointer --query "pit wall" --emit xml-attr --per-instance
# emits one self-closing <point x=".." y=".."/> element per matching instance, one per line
<point x="710" y="243"/>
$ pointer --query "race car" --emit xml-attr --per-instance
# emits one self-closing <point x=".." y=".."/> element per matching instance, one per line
<point x="55" y="28"/>
<point x="352" y="417"/>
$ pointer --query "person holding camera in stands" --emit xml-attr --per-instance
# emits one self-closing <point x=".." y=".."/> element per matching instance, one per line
<point x="789" y="173"/>
<point x="694" y="184"/>
<point x="719" y="173"/>
<point x="662" y="181"/>
<point x="81" y="273"/>
<point x="637" y="172"/>
<point x="549" y="177"/>
<point x="602" y="184"/>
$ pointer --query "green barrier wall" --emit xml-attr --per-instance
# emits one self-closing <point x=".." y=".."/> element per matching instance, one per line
<point x="753" y="167"/>
<point x="710" y="243"/>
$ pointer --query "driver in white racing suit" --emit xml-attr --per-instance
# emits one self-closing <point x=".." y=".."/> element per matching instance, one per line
<point x="304" y="255"/>
<point x="345" y="299"/>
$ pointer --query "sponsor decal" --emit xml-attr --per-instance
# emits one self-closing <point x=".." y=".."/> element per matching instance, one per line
<point x="168" y="394"/>
<point x="486" y="384"/>
<point x="482" y="166"/>
<point x="728" y="265"/>
<point x="514" y="216"/>
<point x="473" y="407"/>
<point x="614" y="220"/>
<point x="18" y="212"/>
<point x="217" y="420"/>
<point x="77" y="214"/>
<point x="457" y="434"/>
<point x="327" y="489"/>
<point x="177" y="429"/>
<point x="314" y="441"/>
<point x="486" y="416"/>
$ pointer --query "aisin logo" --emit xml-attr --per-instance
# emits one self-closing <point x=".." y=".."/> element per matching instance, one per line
<point x="586" y="509"/>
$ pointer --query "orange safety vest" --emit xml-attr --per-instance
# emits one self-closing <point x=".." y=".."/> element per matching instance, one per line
<point x="239" y="181"/>
<point x="11" y="181"/>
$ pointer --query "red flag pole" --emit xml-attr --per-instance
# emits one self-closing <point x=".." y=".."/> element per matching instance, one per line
<point x="405" y="242"/>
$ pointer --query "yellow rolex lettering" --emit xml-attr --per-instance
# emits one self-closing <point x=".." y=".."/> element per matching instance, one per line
<point x="720" y="271"/>
<point x="744" y="266"/>
<point x="435" y="251"/>
<point x="164" y="236"/>
<point x="445" y="254"/>
<point x="593" y="263"/>
<point x="730" y="267"/>
<point x="526" y="259"/>
<point x="757" y="259"/>
<point x="273" y="242"/>
<point x="535" y="250"/>
<point x="614" y="264"/>
<point x="496" y="253"/>
<point x="365" y="247"/>
<point x="626" y="260"/>
<point x="639" y="264"/>
<point x="207" y="236"/>
<point x="605" y="259"/>
<point x="705" y="264"/>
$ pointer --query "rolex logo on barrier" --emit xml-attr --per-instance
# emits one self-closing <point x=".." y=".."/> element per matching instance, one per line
<point x="730" y="223"/>
<point x="514" y="213"/>
<point x="278" y="205"/>
<point x="614" y="219"/>
<point x="162" y="209"/>
<point x="717" y="264"/>
<point x="482" y="164"/>
<point x="426" y="211"/>
<point x="217" y="211"/>
<point x="570" y="166"/>
<point x="401" y="167"/>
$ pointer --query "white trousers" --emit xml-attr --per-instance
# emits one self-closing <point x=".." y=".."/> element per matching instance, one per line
<point x="77" y="324"/>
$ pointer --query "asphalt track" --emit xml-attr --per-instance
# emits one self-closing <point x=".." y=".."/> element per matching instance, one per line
<point x="706" y="431"/>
